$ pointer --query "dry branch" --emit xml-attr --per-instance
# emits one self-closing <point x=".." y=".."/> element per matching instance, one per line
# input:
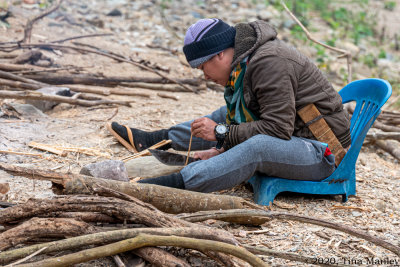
<point x="60" y="99"/>
<point x="43" y="227"/>
<point x="114" y="236"/>
<point x="387" y="128"/>
<point x="20" y="153"/>
<point x="166" y="199"/>
<point x="145" y="240"/>
<point x="343" y="53"/>
<point x="81" y="36"/>
<point x="224" y="214"/>
<point x="105" y="90"/>
<point x="29" y="25"/>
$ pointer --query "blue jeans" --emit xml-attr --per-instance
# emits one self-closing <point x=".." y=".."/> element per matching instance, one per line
<point x="297" y="158"/>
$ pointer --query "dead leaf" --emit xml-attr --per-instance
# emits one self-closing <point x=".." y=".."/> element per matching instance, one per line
<point x="4" y="188"/>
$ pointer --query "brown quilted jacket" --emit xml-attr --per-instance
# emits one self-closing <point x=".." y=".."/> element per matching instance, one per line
<point x="279" y="80"/>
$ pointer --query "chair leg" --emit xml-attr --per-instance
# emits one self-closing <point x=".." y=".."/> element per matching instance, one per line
<point x="344" y="198"/>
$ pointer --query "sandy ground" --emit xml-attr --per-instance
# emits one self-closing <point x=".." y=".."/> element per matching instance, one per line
<point x="375" y="209"/>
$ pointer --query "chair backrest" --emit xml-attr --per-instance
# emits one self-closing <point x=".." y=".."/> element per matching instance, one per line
<point x="370" y="95"/>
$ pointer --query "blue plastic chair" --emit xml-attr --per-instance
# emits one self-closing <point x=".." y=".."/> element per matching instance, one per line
<point x="370" y="95"/>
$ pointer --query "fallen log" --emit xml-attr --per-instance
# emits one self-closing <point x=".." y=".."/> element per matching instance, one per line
<point x="19" y="85"/>
<point x="166" y="199"/>
<point x="145" y="240"/>
<point x="43" y="227"/>
<point x="88" y="50"/>
<point x="138" y="212"/>
<point x="10" y="76"/>
<point x="114" y="236"/>
<point x="19" y="67"/>
<point x="387" y="128"/>
<point x="389" y="147"/>
<point x="89" y="217"/>
<point x="58" y="79"/>
<point x="384" y="136"/>
<point x="60" y="99"/>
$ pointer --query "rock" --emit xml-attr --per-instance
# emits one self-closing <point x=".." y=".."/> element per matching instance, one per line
<point x="108" y="169"/>
<point x="28" y="111"/>
<point x="380" y="205"/>
<point x="356" y="214"/>
<point x="95" y="21"/>
<point x="114" y="13"/>
<point x="45" y="105"/>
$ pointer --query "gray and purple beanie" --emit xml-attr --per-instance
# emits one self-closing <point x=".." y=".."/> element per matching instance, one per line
<point x="205" y="39"/>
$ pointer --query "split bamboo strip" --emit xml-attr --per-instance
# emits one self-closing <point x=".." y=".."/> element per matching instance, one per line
<point x="146" y="152"/>
<point x="48" y="148"/>
<point x="85" y="150"/>
<point x="20" y="153"/>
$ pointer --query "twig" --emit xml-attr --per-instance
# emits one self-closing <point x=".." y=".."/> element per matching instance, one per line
<point x="145" y="240"/>
<point x="26" y="258"/>
<point x="223" y="214"/>
<point x="29" y="25"/>
<point x="118" y="261"/>
<point x="113" y="115"/>
<point x="81" y="36"/>
<point x="344" y="53"/>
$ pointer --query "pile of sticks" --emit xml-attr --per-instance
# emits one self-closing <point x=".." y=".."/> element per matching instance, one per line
<point x="94" y="218"/>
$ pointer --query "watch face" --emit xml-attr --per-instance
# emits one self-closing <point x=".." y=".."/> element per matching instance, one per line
<point x="221" y="129"/>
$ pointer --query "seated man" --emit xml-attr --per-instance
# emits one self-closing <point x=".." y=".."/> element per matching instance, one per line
<point x="266" y="83"/>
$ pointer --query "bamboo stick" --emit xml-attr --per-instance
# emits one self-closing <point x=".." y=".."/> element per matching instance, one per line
<point x="48" y="148"/>
<point x="146" y="152"/>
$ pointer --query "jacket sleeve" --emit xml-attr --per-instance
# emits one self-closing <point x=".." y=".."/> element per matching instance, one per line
<point x="273" y="83"/>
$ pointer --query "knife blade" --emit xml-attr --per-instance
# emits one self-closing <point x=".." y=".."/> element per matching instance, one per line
<point x="169" y="158"/>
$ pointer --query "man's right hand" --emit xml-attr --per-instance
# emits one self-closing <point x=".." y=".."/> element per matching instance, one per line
<point x="206" y="154"/>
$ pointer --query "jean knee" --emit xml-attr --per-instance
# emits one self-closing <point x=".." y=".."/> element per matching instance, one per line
<point x="259" y="144"/>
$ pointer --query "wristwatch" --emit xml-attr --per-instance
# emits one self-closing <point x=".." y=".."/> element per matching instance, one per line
<point x="221" y="130"/>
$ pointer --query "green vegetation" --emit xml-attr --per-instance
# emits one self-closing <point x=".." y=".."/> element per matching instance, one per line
<point x="390" y="5"/>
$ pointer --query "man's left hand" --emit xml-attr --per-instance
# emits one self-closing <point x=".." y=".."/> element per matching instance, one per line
<point x="204" y="128"/>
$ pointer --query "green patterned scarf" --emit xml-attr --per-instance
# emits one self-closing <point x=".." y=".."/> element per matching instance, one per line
<point x="237" y="110"/>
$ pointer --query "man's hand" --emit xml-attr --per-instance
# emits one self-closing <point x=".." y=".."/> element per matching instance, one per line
<point x="206" y="154"/>
<point x="204" y="128"/>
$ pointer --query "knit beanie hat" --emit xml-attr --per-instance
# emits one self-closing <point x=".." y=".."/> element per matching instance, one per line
<point x="205" y="39"/>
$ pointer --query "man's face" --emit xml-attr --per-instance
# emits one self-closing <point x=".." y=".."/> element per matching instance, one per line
<point x="218" y="68"/>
